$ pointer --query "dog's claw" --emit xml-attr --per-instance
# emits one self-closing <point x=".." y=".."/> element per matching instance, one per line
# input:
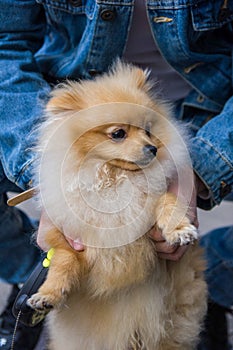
<point x="40" y="302"/>
<point x="182" y="236"/>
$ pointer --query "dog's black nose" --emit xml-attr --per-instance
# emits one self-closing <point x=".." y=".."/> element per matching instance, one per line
<point x="149" y="150"/>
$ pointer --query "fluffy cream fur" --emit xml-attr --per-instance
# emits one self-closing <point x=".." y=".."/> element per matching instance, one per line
<point x="116" y="294"/>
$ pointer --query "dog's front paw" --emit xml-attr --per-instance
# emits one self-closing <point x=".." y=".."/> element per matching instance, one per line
<point x="43" y="302"/>
<point x="182" y="235"/>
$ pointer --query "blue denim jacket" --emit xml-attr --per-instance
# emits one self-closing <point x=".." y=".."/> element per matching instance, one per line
<point x="44" y="41"/>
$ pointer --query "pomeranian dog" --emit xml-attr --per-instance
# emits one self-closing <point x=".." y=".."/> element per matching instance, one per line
<point x="109" y="151"/>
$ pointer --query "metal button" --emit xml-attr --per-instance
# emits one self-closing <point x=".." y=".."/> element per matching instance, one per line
<point x="75" y="3"/>
<point x="108" y="15"/>
<point x="94" y="72"/>
<point x="200" y="98"/>
<point x="225" y="189"/>
<point x="162" y="19"/>
<point x="189" y="69"/>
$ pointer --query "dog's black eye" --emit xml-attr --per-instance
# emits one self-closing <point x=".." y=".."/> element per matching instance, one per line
<point x="147" y="129"/>
<point x="118" y="135"/>
<point x="148" y="133"/>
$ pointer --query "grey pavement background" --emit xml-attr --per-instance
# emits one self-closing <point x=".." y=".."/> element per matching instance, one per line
<point x="218" y="217"/>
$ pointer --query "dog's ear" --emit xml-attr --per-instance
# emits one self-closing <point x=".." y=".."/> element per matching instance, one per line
<point x="65" y="98"/>
<point x="141" y="78"/>
<point x="131" y="75"/>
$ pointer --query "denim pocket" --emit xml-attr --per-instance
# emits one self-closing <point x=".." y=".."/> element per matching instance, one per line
<point x="57" y="9"/>
<point x="211" y="27"/>
<point x="209" y="15"/>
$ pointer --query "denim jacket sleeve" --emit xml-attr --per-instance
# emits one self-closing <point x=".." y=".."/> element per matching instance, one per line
<point x="22" y="87"/>
<point x="212" y="155"/>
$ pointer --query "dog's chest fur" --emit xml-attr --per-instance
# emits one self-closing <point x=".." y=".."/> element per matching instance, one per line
<point x="110" y="209"/>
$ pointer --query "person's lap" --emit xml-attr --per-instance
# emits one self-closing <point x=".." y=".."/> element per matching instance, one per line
<point x="18" y="254"/>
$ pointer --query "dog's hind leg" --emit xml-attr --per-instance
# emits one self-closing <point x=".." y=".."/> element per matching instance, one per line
<point x="188" y="305"/>
<point x="66" y="268"/>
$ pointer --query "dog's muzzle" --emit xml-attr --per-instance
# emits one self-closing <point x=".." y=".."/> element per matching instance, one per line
<point x="149" y="152"/>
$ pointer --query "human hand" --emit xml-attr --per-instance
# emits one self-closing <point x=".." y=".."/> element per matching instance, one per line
<point x="44" y="226"/>
<point x="165" y="250"/>
<point x="175" y="252"/>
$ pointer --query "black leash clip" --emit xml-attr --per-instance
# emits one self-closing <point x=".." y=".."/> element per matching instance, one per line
<point x="21" y="310"/>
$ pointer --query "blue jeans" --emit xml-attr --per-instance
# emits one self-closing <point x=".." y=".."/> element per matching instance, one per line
<point x="18" y="255"/>
<point x="218" y="245"/>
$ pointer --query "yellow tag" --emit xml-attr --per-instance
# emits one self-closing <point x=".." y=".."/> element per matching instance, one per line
<point x="50" y="254"/>
<point x="47" y="261"/>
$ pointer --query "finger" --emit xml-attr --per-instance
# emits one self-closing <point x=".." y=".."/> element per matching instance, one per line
<point x="156" y="235"/>
<point x="192" y="215"/>
<point x="164" y="247"/>
<point x="76" y="244"/>
<point x="44" y="226"/>
<point x="176" y="255"/>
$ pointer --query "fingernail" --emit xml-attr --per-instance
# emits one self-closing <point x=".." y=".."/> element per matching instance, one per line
<point x="77" y="244"/>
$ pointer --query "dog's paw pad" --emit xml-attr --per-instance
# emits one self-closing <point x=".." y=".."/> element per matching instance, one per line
<point x="184" y="235"/>
<point x="40" y="302"/>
